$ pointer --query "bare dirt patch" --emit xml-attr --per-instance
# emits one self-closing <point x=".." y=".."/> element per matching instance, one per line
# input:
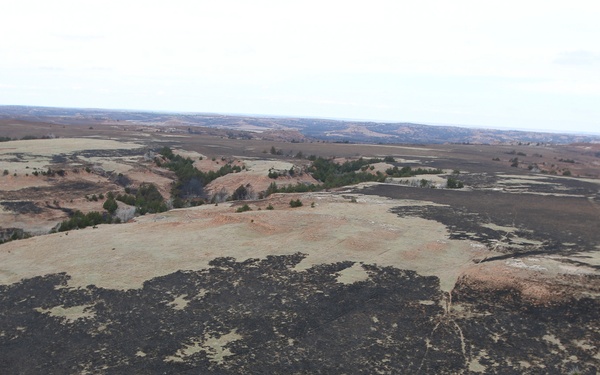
<point x="538" y="279"/>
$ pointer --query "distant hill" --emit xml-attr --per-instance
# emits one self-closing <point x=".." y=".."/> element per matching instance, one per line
<point x="322" y="129"/>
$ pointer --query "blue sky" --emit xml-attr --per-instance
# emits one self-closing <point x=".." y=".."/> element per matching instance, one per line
<point x="503" y="64"/>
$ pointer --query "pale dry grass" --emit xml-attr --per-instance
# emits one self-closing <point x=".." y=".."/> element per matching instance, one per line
<point x="124" y="256"/>
<point x="50" y="147"/>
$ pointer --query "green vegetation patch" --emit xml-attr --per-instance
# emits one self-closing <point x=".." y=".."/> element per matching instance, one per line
<point x="190" y="181"/>
<point x="244" y="208"/>
<point x="79" y="220"/>
<point x="295" y="203"/>
<point x="146" y="200"/>
<point x="409" y="172"/>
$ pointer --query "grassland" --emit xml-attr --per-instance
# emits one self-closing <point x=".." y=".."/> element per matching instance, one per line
<point x="396" y="276"/>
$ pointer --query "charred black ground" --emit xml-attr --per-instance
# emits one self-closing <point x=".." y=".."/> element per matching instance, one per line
<point x="21" y="207"/>
<point x="289" y="322"/>
<point x="544" y="218"/>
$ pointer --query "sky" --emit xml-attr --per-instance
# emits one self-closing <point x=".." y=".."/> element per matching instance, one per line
<point x="508" y="64"/>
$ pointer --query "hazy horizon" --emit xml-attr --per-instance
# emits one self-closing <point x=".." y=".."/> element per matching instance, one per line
<point x="366" y="121"/>
<point x="531" y="66"/>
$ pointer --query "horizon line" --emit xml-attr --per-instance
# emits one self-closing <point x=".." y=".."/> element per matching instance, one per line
<point x="308" y="117"/>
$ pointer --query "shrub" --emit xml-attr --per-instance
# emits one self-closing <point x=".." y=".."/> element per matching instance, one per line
<point x="270" y="207"/>
<point x="81" y="220"/>
<point x="295" y="203"/>
<point x="178" y="202"/>
<point x="244" y="208"/>
<point x="453" y="183"/>
<point x="167" y="153"/>
<point x="146" y="200"/>
<point x="149" y="200"/>
<point x="240" y="194"/>
<point x="110" y="205"/>
<point x="408" y="171"/>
